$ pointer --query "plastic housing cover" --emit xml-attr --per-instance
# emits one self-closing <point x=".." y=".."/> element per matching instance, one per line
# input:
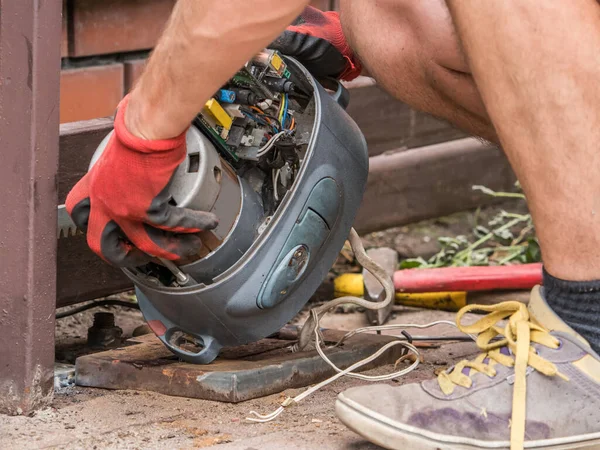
<point x="275" y="278"/>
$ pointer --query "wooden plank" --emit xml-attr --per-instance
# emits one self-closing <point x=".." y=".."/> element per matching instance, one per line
<point x="403" y="187"/>
<point x="30" y="32"/>
<point x="423" y="183"/>
<point x="78" y="142"/>
<point x="448" y="173"/>
<point x="240" y="373"/>
<point x="81" y="274"/>
<point x="389" y="124"/>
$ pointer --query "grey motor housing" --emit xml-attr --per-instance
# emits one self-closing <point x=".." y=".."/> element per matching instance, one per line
<point x="272" y="280"/>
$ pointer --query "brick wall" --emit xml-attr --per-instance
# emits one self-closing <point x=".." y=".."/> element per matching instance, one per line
<point x="104" y="46"/>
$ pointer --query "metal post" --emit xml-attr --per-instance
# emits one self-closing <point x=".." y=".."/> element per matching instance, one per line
<point x="30" y="32"/>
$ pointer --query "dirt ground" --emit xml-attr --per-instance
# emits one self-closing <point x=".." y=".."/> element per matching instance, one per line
<point x="84" y="418"/>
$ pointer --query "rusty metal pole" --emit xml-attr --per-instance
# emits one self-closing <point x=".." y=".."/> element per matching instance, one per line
<point x="30" y="32"/>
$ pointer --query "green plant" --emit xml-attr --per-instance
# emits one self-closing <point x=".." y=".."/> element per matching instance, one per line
<point x="508" y="238"/>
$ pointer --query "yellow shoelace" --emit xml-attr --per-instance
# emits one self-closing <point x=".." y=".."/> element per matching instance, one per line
<point x="518" y="334"/>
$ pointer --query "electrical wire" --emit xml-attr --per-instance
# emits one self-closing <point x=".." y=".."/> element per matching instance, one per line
<point x="281" y="108"/>
<point x="285" y="110"/>
<point x="257" y="109"/>
<point x="275" y="173"/>
<point x="263" y="121"/>
<point x="97" y="304"/>
<point x="255" y="118"/>
<point x="277" y="124"/>
<point x="276" y="181"/>
<point x="269" y="145"/>
<point x="402" y="326"/>
<point x="266" y="117"/>
<point x="311" y="330"/>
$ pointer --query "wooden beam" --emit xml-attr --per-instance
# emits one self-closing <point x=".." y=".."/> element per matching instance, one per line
<point x="404" y="185"/>
<point x="423" y="183"/>
<point x="78" y="142"/>
<point x="84" y="276"/>
<point x="81" y="274"/>
<point x="389" y="124"/>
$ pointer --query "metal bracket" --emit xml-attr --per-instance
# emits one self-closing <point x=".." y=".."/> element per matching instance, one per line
<point x="373" y="290"/>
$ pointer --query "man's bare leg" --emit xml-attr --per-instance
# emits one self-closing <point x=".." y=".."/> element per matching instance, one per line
<point x="410" y="48"/>
<point x="537" y="69"/>
<point x="536" y="66"/>
<point x="538" y="83"/>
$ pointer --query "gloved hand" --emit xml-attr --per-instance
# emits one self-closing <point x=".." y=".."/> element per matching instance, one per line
<point x="316" y="40"/>
<point x="123" y="203"/>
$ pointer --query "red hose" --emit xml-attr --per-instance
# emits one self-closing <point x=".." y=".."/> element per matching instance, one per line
<point x="478" y="278"/>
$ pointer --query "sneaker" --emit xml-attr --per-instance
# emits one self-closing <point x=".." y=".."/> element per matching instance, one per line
<point x="537" y="385"/>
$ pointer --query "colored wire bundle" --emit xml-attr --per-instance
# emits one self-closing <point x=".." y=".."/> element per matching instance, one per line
<point x="263" y="119"/>
<point x="283" y="109"/>
<point x="269" y="145"/>
<point x="284" y="114"/>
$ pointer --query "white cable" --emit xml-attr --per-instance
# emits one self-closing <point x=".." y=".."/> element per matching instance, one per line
<point x="269" y="145"/>
<point x="400" y="326"/>
<point x="275" y="175"/>
<point x="312" y="327"/>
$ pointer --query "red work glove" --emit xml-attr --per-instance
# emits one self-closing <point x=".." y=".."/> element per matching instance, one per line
<point x="123" y="202"/>
<point x="317" y="41"/>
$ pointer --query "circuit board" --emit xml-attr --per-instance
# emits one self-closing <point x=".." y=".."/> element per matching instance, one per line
<point x="245" y="79"/>
<point x="215" y="138"/>
<point x="253" y="108"/>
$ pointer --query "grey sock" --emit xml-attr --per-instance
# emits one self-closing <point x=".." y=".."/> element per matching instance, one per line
<point x="577" y="303"/>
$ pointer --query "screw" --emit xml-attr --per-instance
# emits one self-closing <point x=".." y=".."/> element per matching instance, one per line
<point x="104" y="320"/>
<point x="103" y="333"/>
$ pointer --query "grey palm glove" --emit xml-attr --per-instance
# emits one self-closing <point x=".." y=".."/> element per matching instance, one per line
<point x="316" y="40"/>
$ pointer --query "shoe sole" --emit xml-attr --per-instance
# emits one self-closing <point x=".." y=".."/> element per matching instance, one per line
<point x="395" y="436"/>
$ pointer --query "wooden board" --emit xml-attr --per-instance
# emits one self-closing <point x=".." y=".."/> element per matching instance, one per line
<point x="242" y="373"/>
<point x="423" y="183"/>
<point x="389" y="124"/>
<point x="78" y="142"/>
<point x="81" y="274"/>
<point x="404" y="185"/>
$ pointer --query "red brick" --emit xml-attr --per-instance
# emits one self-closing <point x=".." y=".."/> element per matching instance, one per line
<point x="90" y="92"/>
<point x="112" y="26"/>
<point x="133" y="70"/>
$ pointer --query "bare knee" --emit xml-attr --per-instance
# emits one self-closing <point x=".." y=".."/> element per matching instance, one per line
<point x="411" y="48"/>
<point x="387" y="27"/>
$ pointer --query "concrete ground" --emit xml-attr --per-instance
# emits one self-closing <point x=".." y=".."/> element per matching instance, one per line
<point x="84" y="418"/>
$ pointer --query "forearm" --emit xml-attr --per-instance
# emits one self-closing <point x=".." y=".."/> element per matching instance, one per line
<point x="204" y="43"/>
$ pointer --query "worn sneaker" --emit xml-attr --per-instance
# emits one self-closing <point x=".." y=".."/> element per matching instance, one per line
<point x="536" y="386"/>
